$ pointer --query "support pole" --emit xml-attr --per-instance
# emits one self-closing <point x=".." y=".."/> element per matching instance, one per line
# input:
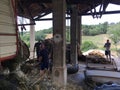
<point x="32" y="39"/>
<point x="59" y="49"/>
<point x="79" y="31"/>
<point x="73" y="32"/>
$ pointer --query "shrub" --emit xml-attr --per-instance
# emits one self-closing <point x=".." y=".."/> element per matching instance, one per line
<point x="88" y="45"/>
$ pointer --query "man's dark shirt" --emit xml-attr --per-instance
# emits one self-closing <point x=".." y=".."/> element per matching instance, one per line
<point x="45" y="59"/>
<point x="44" y="54"/>
<point x="37" y="46"/>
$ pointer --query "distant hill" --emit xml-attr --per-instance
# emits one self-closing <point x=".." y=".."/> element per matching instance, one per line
<point x="98" y="40"/>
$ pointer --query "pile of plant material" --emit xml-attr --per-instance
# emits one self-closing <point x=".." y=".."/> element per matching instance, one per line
<point x="97" y="56"/>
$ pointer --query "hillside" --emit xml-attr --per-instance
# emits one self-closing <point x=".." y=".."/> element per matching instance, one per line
<point x="99" y="41"/>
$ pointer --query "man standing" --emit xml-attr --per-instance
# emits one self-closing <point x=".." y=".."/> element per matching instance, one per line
<point x="44" y="59"/>
<point x="44" y="63"/>
<point x="107" y="46"/>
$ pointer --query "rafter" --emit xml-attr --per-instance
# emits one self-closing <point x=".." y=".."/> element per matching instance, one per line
<point x="36" y="9"/>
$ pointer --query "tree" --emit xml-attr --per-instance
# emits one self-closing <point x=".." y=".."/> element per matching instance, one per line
<point x="103" y="28"/>
<point x="25" y="36"/>
<point x="68" y="33"/>
<point x="85" y="29"/>
<point x="114" y="33"/>
<point x="91" y="30"/>
<point x="87" y="45"/>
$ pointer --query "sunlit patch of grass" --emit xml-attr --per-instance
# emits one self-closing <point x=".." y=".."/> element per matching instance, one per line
<point x="99" y="41"/>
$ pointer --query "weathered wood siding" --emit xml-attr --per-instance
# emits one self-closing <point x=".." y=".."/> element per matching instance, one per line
<point x="8" y="34"/>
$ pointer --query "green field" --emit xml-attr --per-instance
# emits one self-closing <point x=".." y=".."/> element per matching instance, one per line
<point x="99" y="41"/>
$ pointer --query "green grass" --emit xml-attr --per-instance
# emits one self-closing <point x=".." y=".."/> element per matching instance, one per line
<point x="98" y="40"/>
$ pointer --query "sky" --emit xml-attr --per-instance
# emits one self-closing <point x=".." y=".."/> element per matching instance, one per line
<point x="86" y="20"/>
<point x="105" y="18"/>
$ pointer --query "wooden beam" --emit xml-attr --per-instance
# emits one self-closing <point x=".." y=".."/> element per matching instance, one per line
<point x="26" y="24"/>
<point x="107" y="12"/>
<point x="47" y="19"/>
<point x="84" y="14"/>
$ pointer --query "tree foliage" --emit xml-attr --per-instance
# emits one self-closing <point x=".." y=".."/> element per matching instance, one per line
<point x="88" y="30"/>
<point x="67" y="34"/>
<point x="114" y="32"/>
<point x="25" y="36"/>
<point x="91" y="30"/>
<point x="88" y="45"/>
<point x="39" y="35"/>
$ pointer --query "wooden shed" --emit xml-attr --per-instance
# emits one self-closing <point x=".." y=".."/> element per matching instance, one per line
<point x="8" y="33"/>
